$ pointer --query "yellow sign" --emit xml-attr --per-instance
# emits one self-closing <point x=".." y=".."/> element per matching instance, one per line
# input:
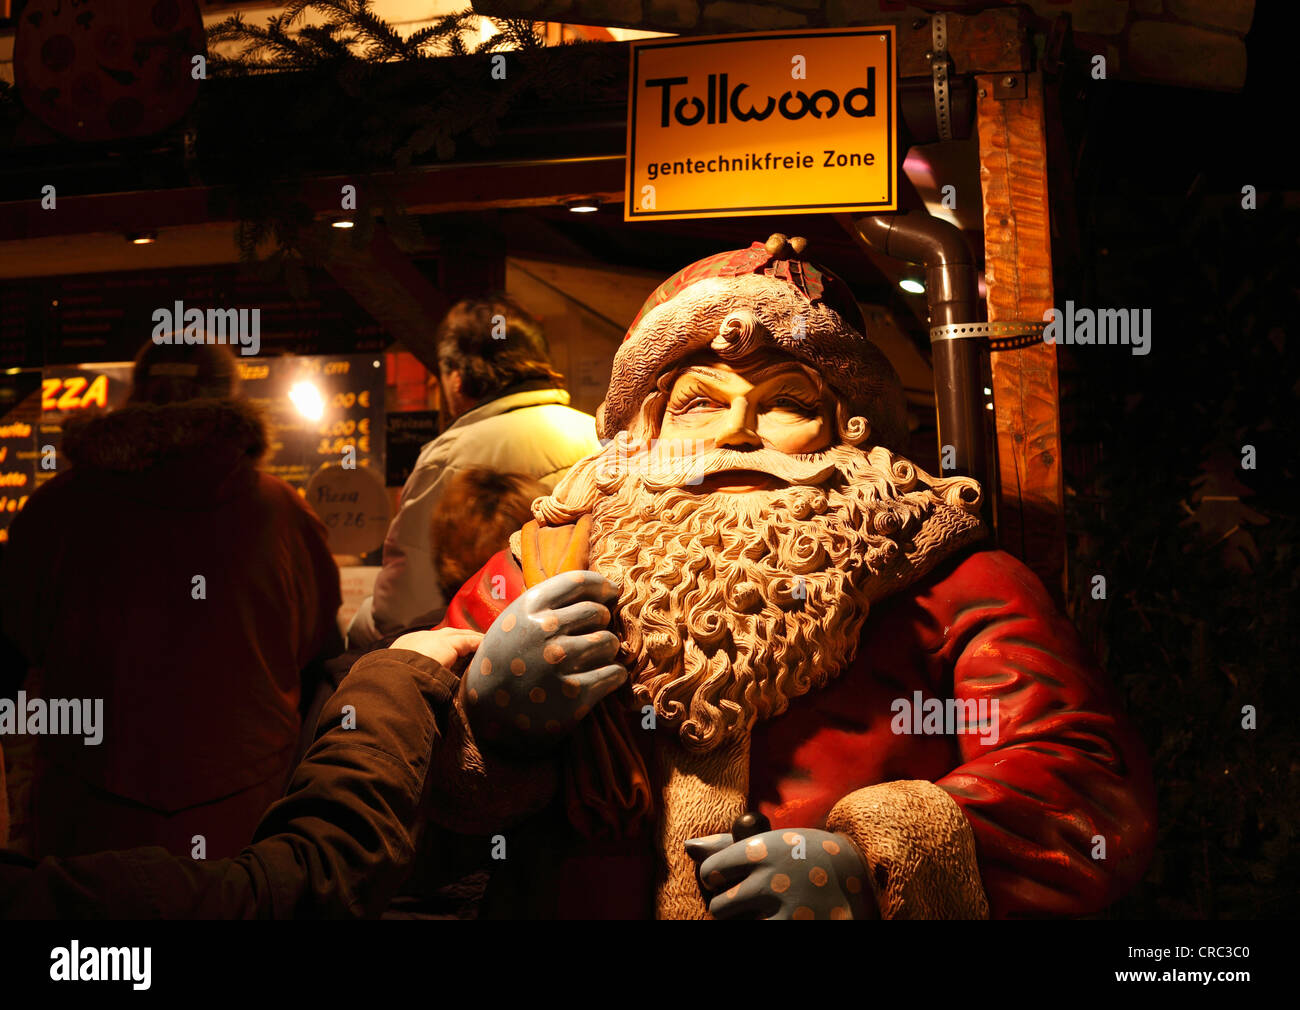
<point x="790" y="122"/>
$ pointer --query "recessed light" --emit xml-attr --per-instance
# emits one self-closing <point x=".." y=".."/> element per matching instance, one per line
<point x="583" y="206"/>
<point x="142" y="237"/>
<point x="912" y="286"/>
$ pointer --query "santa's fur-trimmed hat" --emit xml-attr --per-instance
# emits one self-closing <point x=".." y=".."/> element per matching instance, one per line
<point x="801" y="309"/>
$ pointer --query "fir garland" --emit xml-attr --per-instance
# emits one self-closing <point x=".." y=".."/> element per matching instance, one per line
<point x="371" y="93"/>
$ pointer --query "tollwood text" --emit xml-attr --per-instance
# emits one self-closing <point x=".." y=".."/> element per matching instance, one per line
<point x="722" y="99"/>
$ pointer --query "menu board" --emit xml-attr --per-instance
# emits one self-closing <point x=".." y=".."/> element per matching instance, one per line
<point x="320" y="410"/>
<point x="19" y="426"/>
<point x="71" y="390"/>
<point x="34" y="406"/>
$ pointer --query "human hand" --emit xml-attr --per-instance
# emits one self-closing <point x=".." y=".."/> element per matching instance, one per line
<point x="445" y="645"/>
<point x="799" y="873"/>
<point x="544" y="663"/>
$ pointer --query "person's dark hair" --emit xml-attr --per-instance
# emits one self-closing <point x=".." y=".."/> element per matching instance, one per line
<point x="171" y="373"/>
<point x="474" y="519"/>
<point x="494" y="344"/>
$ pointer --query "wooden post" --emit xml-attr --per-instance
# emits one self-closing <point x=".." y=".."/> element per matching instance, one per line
<point x="1018" y="272"/>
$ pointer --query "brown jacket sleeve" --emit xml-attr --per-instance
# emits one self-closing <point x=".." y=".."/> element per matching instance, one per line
<point x="337" y="845"/>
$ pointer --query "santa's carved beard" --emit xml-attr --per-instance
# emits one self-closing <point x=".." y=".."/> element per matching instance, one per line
<point x="733" y="604"/>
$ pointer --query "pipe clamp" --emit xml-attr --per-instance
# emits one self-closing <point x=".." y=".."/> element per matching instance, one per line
<point x="939" y="62"/>
<point x="1004" y="335"/>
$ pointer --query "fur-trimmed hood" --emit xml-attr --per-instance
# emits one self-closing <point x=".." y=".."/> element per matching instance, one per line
<point x="140" y="436"/>
<point x="193" y="449"/>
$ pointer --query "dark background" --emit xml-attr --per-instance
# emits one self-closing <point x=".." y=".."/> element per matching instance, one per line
<point x="1198" y="621"/>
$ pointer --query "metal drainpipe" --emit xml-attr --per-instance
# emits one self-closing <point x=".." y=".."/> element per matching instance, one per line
<point x="952" y="288"/>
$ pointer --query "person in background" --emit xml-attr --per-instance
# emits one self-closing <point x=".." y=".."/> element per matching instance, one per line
<point x="509" y="413"/>
<point x="162" y="572"/>
<point x="473" y="520"/>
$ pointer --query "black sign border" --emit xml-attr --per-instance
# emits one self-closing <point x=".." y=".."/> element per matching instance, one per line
<point x="890" y="197"/>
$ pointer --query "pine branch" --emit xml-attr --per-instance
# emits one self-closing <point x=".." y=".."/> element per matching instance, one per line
<point x="231" y="29"/>
<point x="259" y="41"/>
<point x="522" y="33"/>
<point x="324" y="39"/>
<point x="446" y="29"/>
<point x="512" y="33"/>
<point x="416" y="41"/>
<point x="352" y="30"/>
<point x="222" y="66"/>
<point x="385" y="40"/>
<point x="288" y="46"/>
<point x="294" y="10"/>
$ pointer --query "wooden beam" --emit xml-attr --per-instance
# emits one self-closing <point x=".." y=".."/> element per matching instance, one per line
<point x="1018" y="272"/>
<point x="387" y="285"/>
<point x="991" y="42"/>
<point x="981" y="42"/>
<point x="436" y="189"/>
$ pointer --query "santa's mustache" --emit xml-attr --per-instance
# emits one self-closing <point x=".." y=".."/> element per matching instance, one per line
<point x="665" y="466"/>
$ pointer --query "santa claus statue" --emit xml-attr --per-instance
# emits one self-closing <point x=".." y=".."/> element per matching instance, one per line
<point x="749" y="616"/>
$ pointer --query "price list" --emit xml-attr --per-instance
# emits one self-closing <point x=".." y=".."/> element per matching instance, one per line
<point x="322" y="409"/>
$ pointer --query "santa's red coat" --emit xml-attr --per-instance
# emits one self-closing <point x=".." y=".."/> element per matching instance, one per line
<point x="1062" y="806"/>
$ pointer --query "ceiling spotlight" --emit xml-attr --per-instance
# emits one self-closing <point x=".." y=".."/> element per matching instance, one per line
<point x="583" y="206"/>
<point x="912" y="286"/>
<point x="343" y="222"/>
<point x="142" y="237"/>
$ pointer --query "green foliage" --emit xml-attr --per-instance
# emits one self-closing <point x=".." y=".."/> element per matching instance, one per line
<point x="1199" y="621"/>
<point x="350" y="32"/>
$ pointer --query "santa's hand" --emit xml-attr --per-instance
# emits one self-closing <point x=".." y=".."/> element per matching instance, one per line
<point x="791" y="873"/>
<point x="543" y="664"/>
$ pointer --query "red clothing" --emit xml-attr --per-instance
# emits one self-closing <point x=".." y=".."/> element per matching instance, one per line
<point x="1066" y="767"/>
<point x="201" y="682"/>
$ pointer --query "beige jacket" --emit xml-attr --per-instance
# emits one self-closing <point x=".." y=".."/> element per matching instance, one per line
<point x="530" y="431"/>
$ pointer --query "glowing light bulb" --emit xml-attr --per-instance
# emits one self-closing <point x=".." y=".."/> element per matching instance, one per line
<point x="307" y="398"/>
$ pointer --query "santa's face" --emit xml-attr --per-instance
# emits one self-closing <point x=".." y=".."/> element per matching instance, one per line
<point x="739" y="527"/>
<point x="763" y="401"/>
<point x="748" y="529"/>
